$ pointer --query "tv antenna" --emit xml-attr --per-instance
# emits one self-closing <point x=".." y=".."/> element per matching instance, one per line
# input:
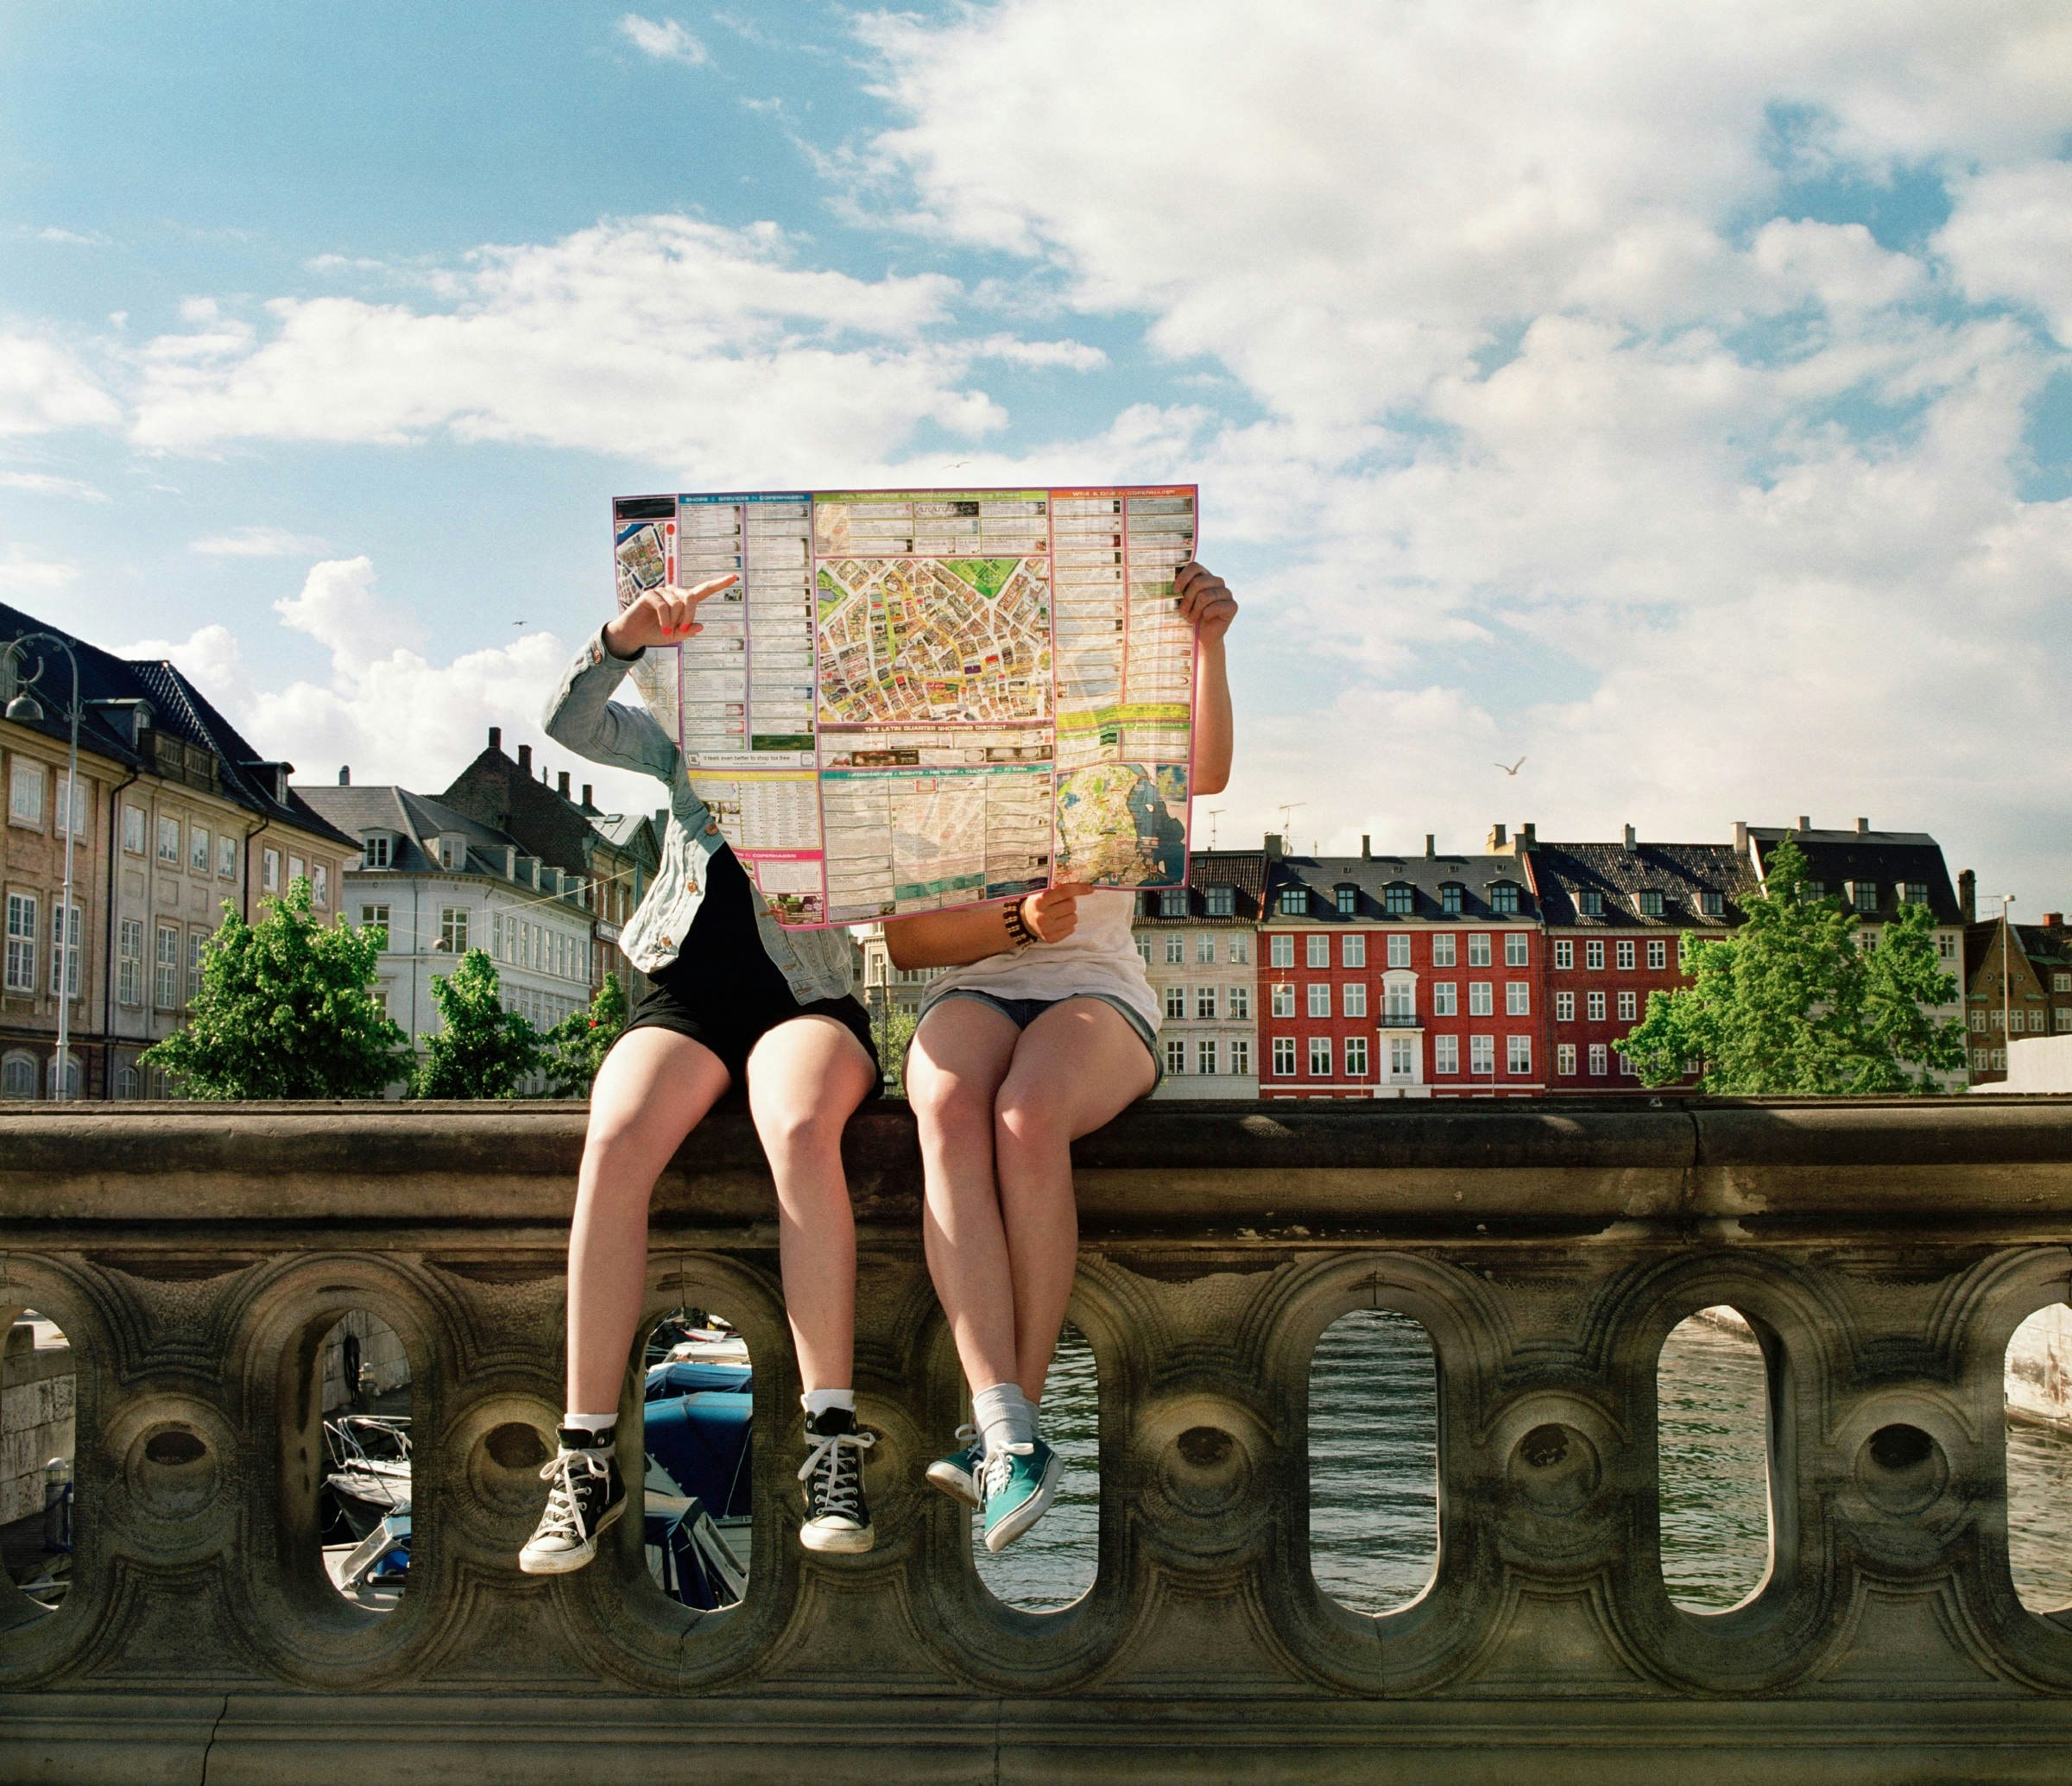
<point x="1284" y="811"/>
<point x="1215" y="813"/>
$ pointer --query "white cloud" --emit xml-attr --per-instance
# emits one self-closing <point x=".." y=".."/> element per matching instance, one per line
<point x="257" y="542"/>
<point x="210" y="657"/>
<point x="663" y="39"/>
<point x="43" y="386"/>
<point x="26" y="578"/>
<point x="2009" y="235"/>
<point x="41" y="483"/>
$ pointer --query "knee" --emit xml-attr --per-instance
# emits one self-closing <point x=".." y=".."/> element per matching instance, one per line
<point x="620" y="1150"/>
<point x="945" y="1105"/>
<point x="1030" y="1116"/>
<point x="798" y="1132"/>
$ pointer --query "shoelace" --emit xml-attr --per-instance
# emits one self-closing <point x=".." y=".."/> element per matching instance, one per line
<point x="998" y="1469"/>
<point x="563" y="1515"/>
<point x="835" y="1455"/>
<point x="969" y="1448"/>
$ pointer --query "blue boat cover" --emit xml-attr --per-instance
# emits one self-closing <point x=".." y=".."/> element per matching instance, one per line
<point x="702" y="1441"/>
<point x="689" y="1376"/>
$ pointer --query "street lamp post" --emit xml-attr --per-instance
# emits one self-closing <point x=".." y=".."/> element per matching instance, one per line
<point x="2006" y="993"/>
<point x="26" y="710"/>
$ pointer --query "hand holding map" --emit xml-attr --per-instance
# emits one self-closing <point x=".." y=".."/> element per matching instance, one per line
<point x="660" y="616"/>
<point x="904" y="701"/>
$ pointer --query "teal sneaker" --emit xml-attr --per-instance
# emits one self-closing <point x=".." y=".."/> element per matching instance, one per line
<point x="960" y="1475"/>
<point x="1021" y="1483"/>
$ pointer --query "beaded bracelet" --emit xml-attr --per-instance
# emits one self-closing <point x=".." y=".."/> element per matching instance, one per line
<point x="1019" y="932"/>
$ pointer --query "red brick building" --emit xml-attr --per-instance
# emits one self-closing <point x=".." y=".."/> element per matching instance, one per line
<point x="1399" y="976"/>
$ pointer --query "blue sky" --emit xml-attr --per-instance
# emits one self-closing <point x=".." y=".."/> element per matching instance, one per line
<point x="1681" y="401"/>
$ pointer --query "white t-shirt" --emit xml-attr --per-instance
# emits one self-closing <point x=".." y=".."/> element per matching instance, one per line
<point x="1099" y="956"/>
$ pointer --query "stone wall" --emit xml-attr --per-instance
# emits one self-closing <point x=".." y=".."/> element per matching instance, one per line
<point x="1882" y="1254"/>
<point x="36" y="1413"/>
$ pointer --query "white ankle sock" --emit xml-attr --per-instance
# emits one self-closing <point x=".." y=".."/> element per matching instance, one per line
<point x="591" y="1423"/>
<point x="819" y="1401"/>
<point x="1003" y="1415"/>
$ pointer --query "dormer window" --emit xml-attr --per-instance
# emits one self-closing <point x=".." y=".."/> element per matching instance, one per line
<point x="1503" y="896"/>
<point x="1220" y="902"/>
<point x="1591" y="905"/>
<point x="453" y="852"/>
<point x="1712" y="904"/>
<point x="1917" y="893"/>
<point x="1863" y="895"/>
<point x="375" y="850"/>
<point x="1450" y="898"/>
<point x="1648" y="902"/>
<point x="1348" y="901"/>
<point x="1812" y="890"/>
<point x="1172" y="902"/>
<point x="1294" y="902"/>
<point x="1398" y="899"/>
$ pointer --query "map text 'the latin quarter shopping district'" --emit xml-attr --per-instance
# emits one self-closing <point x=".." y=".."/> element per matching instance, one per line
<point x="919" y="699"/>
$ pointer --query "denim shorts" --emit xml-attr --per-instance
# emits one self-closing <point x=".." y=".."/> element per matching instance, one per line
<point x="1024" y="1011"/>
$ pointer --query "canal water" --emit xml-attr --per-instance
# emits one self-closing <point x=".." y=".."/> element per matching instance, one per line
<point x="1373" y="1437"/>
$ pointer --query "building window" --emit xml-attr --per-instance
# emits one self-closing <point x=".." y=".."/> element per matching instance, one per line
<point x="1284" y="1057"/>
<point x="25" y="794"/>
<point x="1591" y="905"/>
<point x="1443" y="950"/>
<point x="1993" y="1017"/>
<point x="1348" y="901"/>
<point x="1481" y="1055"/>
<point x="1626" y="953"/>
<point x="1204" y="949"/>
<point x="1398" y="951"/>
<point x="1175" y="1002"/>
<point x="1320" y="998"/>
<point x="1143" y="951"/>
<point x="198" y="850"/>
<point x="1565" y="1007"/>
<point x="1355" y="1057"/>
<point x="168" y="839"/>
<point x="1565" y="1060"/>
<point x="1978" y="1021"/>
<point x="1220" y="902"/>
<point x="1204" y="1003"/>
<point x="1478" y="949"/>
<point x="1977" y="1060"/>
<point x="132" y="829"/>
<point x="1172" y="902"/>
<point x="79" y="799"/>
<point x="1628" y="1067"/>
<point x="1176" y="1058"/>
<point x="319" y="884"/>
<point x="127" y="1084"/>
<point x="379" y="998"/>
<point x="1657" y="955"/>
<point x="165" y="988"/>
<point x="1628" y="1006"/>
<point x="1712" y="904"/>
<point x="226" y="858"/>
<point x="376" y="916"/>
<point x="1503" y="897"/>
<point x="21" y="943"/>
<point x="1946" y="946"/>
<point x="2064" y="1018"/>
<point x="1594" y="1007"/>
<point x="1283" y="999"/>
<point x="1517" y="998"/>
<point x="1999" y="1060"/>
<point x="1353" y="999"/>
<point x="1317" y="951"/>
<point x="1480" y="1000"/>
<point x="2035" y="1021"/>
<point x="1866" y="895"/>
<point x="1564" y="955"/>
<point x="375" y="850"/>
<point x="18" y="1077"/>
<point x="1240" y="1056"/>
<point x="1811" y="891"/>
<point x="1399" y="901"/>
<point x="1915" y="892"/>
<point x="1280" y="951"/>
<point x="1517" y="949"/>
<point x="1518" y="1057"/>
<point x="1402" y="1000"/>
<point x="1446" y="1054"/>
<point x="1320" y="1057"/>
<point x="1402" y="1057"/>
<point x="1241" y="950"/>
<point x="1450" y="899"/>
<point x="1444" y="1003"/>
<point x="297" y="868"/>
<point x="270" y="871"/>
<point x="1204" y="1057"/>
<point x="197" y="941"/>
<point x="1237" y="1001"/>
<point x="64" y="952"/>
<point x="1593" y="955"/>
<point x="1294" y="902"/>
<point x="1601" y="1060"/>
<point x="1650" y="903"/>
<point x="130" y="961"/>
<point x="1352" y="951"/>
<point x="453" y="930"/>
<point x="2060" y="982"/>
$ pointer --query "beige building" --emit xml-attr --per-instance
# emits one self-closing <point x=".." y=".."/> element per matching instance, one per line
<point x="1199" y="945"/>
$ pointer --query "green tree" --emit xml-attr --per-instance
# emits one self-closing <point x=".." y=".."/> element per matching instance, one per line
<point x="577" y="1045"/>
<point x="891" y="1027"/>
<point x="1791" y="1005"/>
<point x="284" y="1011"/>
<point x="481" y="1051"/>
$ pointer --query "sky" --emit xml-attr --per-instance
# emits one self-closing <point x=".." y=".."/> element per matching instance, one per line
<point x="1677" y="397"/>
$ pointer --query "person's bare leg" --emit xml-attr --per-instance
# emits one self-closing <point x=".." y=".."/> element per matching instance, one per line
<point x="654" y="1088"/>
<point x="1075" y="1068"/>
<point x="960" y="1055"/>
<point x="805" y="1078"/>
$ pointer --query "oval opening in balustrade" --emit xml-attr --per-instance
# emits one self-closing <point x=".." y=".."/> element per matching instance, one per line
<point x="1374" y="1460"/>
<point x="1056" y="1560"/>
<point x="1712" y="1405"/>
<point x="698" y="1421"/>
<point x="36" y="1438"/>
<point x="364" y="1502"/>
<point x="2039" y="1459"/>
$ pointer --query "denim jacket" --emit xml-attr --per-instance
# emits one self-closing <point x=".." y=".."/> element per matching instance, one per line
<point x="816" y="964"/>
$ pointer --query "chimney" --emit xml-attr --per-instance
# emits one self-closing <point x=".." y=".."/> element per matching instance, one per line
<point x="1632" y="842"/>
<point x="1528" y="836"/>
<point x="1740" y="836"/>
<point x="1967" y="896"/>
<point x="563" y="789"/>
<point x="495" y="737"/>
<point x="1274" y="851"/>
<point x="524" y="759"/>
<point x="1366" y="846"/>
<point x="2054" y="920"/>
<point x="1498" y="838"/>
<point x="1804" y="824"/>
<point x="589" y="804"/>
<point x="1863" y="828"/>
<point x="1431" y="844"/>
<point x="345" y="775"/>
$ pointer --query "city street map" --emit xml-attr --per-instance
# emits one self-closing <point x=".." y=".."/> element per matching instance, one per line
<point x="915" y="700"/>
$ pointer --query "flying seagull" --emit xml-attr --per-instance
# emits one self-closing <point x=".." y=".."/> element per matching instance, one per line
<point x="1511" y="768"/>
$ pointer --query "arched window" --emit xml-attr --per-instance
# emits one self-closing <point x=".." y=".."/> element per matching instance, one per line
<point x="18" y="1076"/>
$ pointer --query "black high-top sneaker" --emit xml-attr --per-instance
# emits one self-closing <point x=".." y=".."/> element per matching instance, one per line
<point x="586" y="1498"/>
<point x="836" y="1517"/>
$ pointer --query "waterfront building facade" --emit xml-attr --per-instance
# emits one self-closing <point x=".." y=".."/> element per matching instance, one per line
<point x="176" y="815"/>
<point x="2031" y="998"/>
<point x="1199" y="946"/>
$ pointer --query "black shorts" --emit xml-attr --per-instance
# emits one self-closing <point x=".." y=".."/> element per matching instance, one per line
<point x="732" y="1022"/>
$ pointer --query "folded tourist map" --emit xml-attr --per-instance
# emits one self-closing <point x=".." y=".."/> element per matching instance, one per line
<point x="920" y="699"/>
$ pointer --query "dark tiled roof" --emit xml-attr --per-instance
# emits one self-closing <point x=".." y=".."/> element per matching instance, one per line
<point x="2047" y="945"/>
<point x="179" y="710"/>
<point x="1563" y="873"/>
<point x="1427" y="875"/>
<point x="412" y="818"/>
<point x="545" y="822"/>
<point x="1243" y="870"/>
<point x="1886" y="857"/>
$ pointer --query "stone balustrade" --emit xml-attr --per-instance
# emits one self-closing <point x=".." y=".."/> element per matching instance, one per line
<point x="1884" y="1253"/>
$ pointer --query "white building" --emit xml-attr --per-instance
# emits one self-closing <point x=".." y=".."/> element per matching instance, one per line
<point x="1198" y="943"/>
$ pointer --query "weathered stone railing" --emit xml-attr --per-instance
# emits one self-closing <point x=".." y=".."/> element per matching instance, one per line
<point x="1885" y="1253"/>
